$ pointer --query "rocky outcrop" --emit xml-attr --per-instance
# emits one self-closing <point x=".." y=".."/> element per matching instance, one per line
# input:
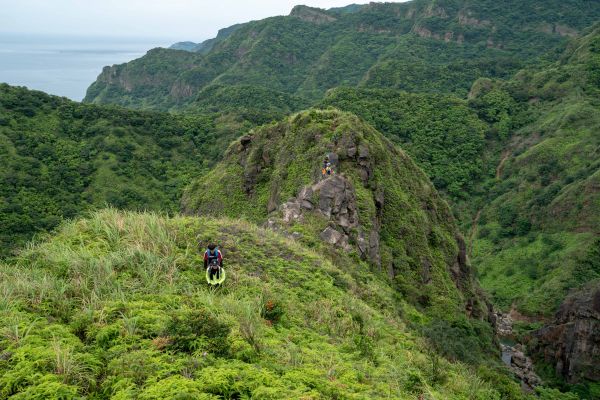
<point x="446" y="36"/>
<point x="503" y="324"/>
<point x="571" y="342"/>
<point x="514" y="355"/>
<point x="465" y="18"/>
<point x="335" y="199"/>
<point x="181" y="90"/>
<point x="378" y="205"/>
<point x="115" y="75"/>
<point x="558" y="29"/>
<point x="564" y="30"/>
<point x="434" y="11"/>
<point x="521" y="366"/>
<point x="313" y="15"/>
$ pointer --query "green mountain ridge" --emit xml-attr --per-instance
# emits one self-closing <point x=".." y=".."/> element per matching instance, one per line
<point x="418" y="46"/>
<point x="496" y="103"/>
<point x="115" y="305"/>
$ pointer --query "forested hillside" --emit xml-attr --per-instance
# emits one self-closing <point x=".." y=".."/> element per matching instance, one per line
<point x="540" y="222"/>
<point x="422" y="46"/>
<point x="60" y="158"/>
<point x="442" y="133"/>
<point x="115" y="305"/>
<point x="363" y="284"/>
<point x="522" y="156"/>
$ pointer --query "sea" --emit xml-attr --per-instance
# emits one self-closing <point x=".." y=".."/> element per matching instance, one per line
<point x="65" y="65"/>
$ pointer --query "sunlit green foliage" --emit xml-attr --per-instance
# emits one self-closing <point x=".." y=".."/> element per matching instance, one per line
<point x="115" y="306"/>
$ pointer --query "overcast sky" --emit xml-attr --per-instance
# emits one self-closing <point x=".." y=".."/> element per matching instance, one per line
<point x="174" y="19"/>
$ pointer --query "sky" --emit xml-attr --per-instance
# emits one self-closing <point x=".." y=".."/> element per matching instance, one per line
<point x="193" y="20"/>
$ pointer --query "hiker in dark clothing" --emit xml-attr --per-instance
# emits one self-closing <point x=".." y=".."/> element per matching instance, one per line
<point x="214" y="259"/>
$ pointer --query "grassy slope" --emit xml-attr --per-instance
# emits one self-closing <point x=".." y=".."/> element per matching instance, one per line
<point x="418" y="234"/>
<point x="541" y="216"/>
<point x="115" y="306"/>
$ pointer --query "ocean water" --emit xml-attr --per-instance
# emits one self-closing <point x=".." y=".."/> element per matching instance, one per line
<point x="65" y="65"/>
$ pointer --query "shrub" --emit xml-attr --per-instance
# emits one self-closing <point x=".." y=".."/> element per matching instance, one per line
<point x="197" y="330"/>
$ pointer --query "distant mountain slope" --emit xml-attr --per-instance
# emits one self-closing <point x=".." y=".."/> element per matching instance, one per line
<point x="187" y="46"/>
<point x="541" y="217"/>
<point x="60" y="158"/>
<point x="422" y="45"/>
<point x="207" y="45"/>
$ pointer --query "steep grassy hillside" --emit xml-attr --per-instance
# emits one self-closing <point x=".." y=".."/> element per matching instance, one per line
<point x="538" y="227"/>
<point x="379" y="206"/>
<point x="422" y="45"/>
<point x="115" y="306"/>
<point x="60" y="158"/>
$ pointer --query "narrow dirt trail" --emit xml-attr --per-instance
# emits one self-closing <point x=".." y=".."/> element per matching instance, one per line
<point x="500" y="166"/>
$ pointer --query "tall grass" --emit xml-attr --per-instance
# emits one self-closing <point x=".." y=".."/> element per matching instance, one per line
<point x="94" y="308"/>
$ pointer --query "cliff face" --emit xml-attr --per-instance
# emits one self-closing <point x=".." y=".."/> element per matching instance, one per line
<point x="310" y="14"/>
<point x="571" y="342"/>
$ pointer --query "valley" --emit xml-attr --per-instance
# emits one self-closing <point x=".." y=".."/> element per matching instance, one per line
<point x="454" y="253"/>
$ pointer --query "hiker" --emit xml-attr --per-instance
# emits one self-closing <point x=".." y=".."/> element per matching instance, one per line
<point x="214" y="259"/>
<point x="326" y="170"/>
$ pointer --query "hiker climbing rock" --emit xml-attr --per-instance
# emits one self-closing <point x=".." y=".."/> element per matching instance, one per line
<point x="326" y="170"/>
<point x="213" y="263"/>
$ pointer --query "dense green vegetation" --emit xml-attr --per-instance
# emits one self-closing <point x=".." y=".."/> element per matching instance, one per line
<point x="60" y="158"/>
<point x="256" y="105"/>
<point x="482" y="96"/>
<point x="442" y="134"/>
<point x="422" y="46"/>
<point x="114" y="306"/>
<point x="540" y="217"/>
<point x="394" y="200"/>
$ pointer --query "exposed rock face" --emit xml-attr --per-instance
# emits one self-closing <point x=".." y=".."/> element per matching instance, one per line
<point x="503" y="324"/>
<point x="572" y="341"/>
<point x="335" y="199"/>
<point x="564" y="30"/>
<point x="181" y="90"/>
<point x="465" y="18"/>
<point x="309" y="14"/>
<point x="446" y="36"/>
<point x="115" y="75"/>
<point x="514" y="355"/>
